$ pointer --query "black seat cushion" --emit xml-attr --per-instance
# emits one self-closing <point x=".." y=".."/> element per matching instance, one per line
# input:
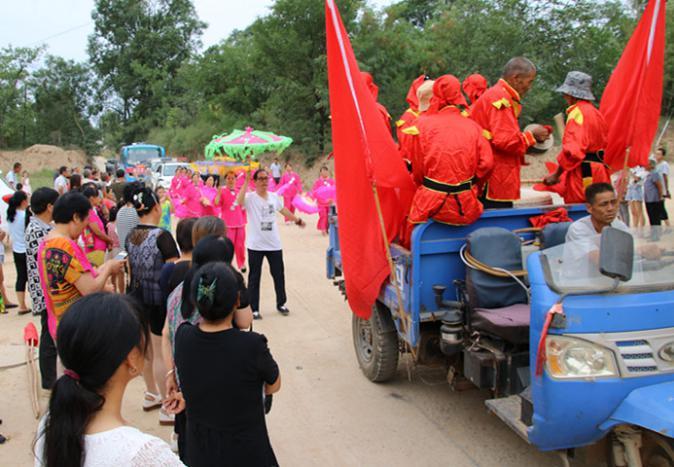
<point x="554" y="234"/>
<point x="510" y="323"/>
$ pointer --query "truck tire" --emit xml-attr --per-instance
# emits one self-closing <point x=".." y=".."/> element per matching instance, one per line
<point x="657" y="450"/>
<point x="376" y="344"/>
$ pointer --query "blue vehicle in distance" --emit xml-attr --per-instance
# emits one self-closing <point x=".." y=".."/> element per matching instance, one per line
<point x="574" y="342"/>
<point x="136" y="154"/>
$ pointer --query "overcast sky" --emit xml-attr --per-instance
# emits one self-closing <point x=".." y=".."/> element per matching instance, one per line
<point x="65" y="24"/>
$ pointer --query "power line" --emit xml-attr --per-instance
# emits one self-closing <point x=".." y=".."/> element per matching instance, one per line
<point x="75" y="28"/>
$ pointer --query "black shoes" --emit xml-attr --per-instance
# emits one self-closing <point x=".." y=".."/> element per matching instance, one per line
<point x="283" y="310"/>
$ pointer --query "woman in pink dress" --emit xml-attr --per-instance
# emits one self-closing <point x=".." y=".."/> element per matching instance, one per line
<point x="234" y="217"/>
<point x="176" y="193"/>
<point x="291" y="185"/>
<point x="324" y="202"/>
<point x="192" y="198"/>
<point x="209" y="192"/>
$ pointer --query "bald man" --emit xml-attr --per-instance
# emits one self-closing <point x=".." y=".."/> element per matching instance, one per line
<point x="497" y="111"/>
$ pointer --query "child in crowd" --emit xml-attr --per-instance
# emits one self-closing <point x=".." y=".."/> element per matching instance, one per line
<point x="166" y="208"/>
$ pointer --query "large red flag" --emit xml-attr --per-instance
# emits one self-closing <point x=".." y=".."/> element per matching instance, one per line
<point x="633" y="96"/>
<point x="365" y="155"/>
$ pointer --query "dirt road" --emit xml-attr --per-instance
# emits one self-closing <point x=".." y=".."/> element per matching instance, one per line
<point x="327" y="413"/>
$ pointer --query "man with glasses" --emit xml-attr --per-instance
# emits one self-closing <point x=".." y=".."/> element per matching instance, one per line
<point x="263" y="239"/>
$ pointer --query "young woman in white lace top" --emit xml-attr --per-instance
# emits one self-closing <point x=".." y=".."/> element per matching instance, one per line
<point x="101" y="343"/>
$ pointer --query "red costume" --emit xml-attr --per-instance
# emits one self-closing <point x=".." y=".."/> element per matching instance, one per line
<point x="408" y="118"/>
<point x="369" y="81"/>
<point x="496" y="111"/>
<point x="474" y="86"/>
<point x="585" y="138"/>
<point x="450" y="153"/>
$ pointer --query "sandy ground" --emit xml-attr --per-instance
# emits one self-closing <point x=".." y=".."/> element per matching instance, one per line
<point x="327" y="412"/>
<point x="41" y="156"/>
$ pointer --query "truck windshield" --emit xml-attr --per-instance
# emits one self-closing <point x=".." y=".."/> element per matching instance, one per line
<point x="573" y="267"/>
<point x="137" y="155"/>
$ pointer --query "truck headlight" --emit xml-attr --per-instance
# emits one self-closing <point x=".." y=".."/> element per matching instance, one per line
<point x="667" y="352"/>
<point x="572" y="358"/>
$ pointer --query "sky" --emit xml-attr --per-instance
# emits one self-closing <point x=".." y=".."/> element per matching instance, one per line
<point x="64" y="25"/>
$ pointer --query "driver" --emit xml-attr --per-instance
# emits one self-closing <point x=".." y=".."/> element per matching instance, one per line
<point x="583" y="237"/>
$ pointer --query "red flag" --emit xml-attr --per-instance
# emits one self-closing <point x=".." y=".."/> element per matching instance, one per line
<point x="365" y="155"/>
<point x="633" y="96"/>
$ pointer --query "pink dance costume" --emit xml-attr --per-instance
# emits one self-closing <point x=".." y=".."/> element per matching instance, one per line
<point x="209" y="193"/>
<point x="294" y="188"/>
<point x="323" y="206"/>
<point x="177" y="193"/>
<point x="235" y="220"/>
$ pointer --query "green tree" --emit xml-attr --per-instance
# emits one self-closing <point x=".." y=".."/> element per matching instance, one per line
<point x="16" y="119"/>
<point x="137" y="48"/>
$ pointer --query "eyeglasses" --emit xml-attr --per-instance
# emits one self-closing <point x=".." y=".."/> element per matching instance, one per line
<point x="262" y="179"/>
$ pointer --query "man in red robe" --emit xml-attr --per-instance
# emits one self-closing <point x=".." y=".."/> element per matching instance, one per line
<point x="497" y="111"/>
<point x="411" y="114"/>
<point x="451" y="154"/>
<point x="474" y="86"/>
<point x="585" y="136"/>
<point x="407" y="130"/>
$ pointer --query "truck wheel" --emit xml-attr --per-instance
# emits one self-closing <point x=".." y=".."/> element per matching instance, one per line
<point x="376" y="344"/>
<point x="657" y="450"/>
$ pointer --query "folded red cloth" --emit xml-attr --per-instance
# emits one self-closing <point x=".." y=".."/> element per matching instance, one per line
<point x="558" y="215"/>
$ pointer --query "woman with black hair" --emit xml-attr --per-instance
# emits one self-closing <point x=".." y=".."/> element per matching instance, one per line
<point x="223" y="395"/>
<point x="65" y="272"/>
<point x="16" y="216"/>
<point x="94" y="237"/>
<point x="180" y="309"/>
<point x="127" y="217"/>
<point x="149" y="248"/>
<point x="75" y="182"/>
<point x="39" y="226"/>
<point x="102" y="342"/>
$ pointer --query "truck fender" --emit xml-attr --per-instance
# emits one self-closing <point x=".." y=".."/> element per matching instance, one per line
<point x="385" y="319"/>
<point x="650" y="407"/>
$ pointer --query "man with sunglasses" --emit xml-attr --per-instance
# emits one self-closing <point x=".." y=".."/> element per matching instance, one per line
<point x="263" y="239"/>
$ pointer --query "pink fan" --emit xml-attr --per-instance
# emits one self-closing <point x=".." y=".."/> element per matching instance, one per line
<point x="305" y="204"/>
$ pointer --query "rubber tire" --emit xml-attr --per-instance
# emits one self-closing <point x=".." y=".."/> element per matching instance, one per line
<point x="382" y="364"/>
<point x="657" y="450"/>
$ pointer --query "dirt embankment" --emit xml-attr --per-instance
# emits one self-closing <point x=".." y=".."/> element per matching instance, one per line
<point x="42" y="156"/>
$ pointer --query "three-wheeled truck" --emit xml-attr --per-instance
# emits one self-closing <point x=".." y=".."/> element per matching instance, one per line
<point x="574" y="342"/>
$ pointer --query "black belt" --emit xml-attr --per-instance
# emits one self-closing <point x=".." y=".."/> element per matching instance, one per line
<point x="595" y="157"/>
<point x="447" y="188"/>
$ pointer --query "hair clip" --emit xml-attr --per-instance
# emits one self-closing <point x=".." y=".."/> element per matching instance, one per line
<point x="206" y="291"/>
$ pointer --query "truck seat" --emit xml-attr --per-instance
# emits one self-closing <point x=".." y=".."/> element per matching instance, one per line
<point x="498" y="304"/>
<point x="554" y="234"/>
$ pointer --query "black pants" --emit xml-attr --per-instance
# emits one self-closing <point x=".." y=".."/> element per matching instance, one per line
<point x="21" y="271"/>
<point x="47" y="358"/>
<point x="654" y="211"/>
<point x="275" y="259"/>
<point x="663" y="211"/>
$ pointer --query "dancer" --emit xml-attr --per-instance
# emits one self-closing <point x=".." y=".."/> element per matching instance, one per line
<point x="291" y="185"/>
<point x="209" y="193"/>
<point x="324" y="204"/>
<point x="235" y="218"/>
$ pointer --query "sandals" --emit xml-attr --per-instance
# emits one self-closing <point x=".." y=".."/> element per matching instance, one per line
<point x="151" y="401"/>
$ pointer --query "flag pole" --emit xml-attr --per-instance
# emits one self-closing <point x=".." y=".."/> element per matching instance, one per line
<point x="404" y="318"/>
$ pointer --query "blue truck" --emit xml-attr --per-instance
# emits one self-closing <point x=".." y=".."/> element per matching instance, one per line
<point x="574" y="351"/>
<point x="140" y="154"/>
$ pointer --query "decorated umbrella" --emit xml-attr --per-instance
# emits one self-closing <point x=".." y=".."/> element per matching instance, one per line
<point x="241" y="144"/>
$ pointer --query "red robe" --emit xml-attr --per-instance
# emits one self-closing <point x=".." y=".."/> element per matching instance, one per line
<point x="449" y="150"/>
<point x="586" y="132"/>
<point x="497" y="111"/>
<point x="407" y="119"/>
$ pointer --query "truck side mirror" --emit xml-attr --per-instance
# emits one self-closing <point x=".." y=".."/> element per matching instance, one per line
<point x="616" y="254"/>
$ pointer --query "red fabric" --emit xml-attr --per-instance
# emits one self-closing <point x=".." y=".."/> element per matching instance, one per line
<point x="552" y="217"/>
<point x="497" y="111"/>
<point x="412" y="98"/>
<point x="450" y="149"/>
<point x="474" y="86"/>
<point x="632" y="99"/>
<point x="446" y="91"/>
<point x="374" y="89"/>
<point x="365" y="154"/>
<point x="585" y="132"/>
<point x="30" y="335"/>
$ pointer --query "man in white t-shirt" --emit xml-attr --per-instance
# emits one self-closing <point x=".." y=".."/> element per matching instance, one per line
<point x="61" y="182"/>
<point x="14" y="176"/>
<point x="263" y="239"/>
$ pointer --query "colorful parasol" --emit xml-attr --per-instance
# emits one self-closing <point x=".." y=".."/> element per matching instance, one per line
<point x="240" y="144"/>
<point x="221" y="165"/>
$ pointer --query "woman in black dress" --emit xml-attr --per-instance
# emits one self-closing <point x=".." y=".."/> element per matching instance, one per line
<point x="224" y="373"/>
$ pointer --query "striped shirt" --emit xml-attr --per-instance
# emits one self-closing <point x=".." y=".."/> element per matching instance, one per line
<point x="127" y="220"/>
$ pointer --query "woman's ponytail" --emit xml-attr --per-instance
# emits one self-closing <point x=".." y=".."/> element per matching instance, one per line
<point x="14" y="202"/>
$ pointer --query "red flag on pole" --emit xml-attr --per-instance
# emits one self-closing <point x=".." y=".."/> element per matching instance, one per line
<point x="632" y="99"/>
<point x="365" y="155"/>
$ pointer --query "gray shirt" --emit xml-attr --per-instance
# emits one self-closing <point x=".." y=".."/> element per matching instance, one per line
<point x="127" y="220"/>
<point x="651" y="194"/>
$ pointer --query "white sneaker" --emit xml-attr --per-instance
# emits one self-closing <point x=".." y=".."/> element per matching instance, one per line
<point x="151" y="401"/>
<point x="165" y="418"/>
<point x="174" y="442"/>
